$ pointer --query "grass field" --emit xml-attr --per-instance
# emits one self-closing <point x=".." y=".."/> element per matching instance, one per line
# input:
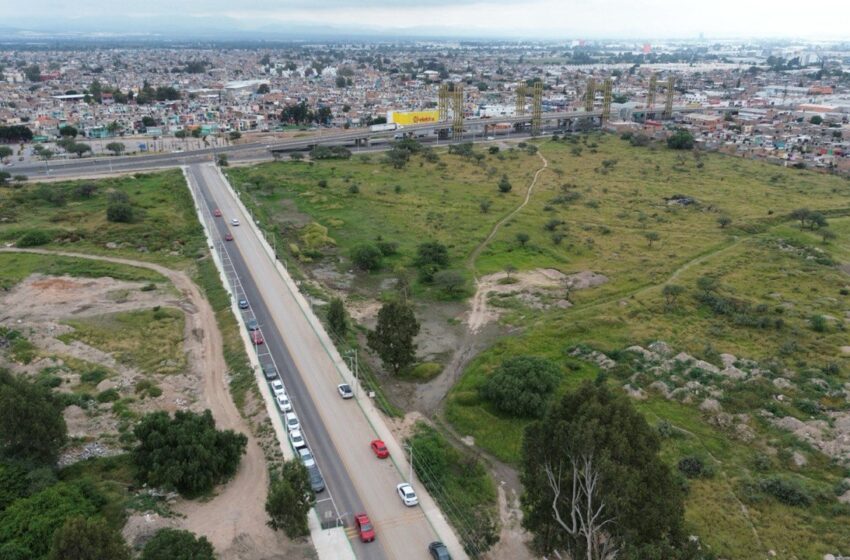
<point x="626" y="212"/>
<point x="14" y="267"/>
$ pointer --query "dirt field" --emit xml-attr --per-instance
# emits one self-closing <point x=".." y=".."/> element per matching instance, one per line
<point x="234" y="519"/>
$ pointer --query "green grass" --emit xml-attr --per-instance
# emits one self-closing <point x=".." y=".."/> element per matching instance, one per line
<point x="14" y="267"/>
<point x="150" y="340"/>
<point x="165" y="229"/>
<point x="422" y="372"/>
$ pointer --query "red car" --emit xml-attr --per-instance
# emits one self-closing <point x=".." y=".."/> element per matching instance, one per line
<point x="217" y="213"/>
<point x="379" y="449"/>
<point x="228" y="236"/>
<point x="364" y="527"/>
<point x="256" y="337"/>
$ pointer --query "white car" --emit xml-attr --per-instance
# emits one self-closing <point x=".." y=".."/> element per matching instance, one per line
<point x="291" y="421"/>
<point x="407" y="495"/>
<point x="277" y="388"/>
<point x="297" y="439"/>
<point x="234" y="222"/>
<point x="345" y="391"/>
<point x="306" y="457"/>
<point x="283" y="403"/>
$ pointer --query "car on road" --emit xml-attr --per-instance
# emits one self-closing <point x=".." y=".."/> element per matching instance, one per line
<point x="297" y="439"/>
<point x="283" y="403"/>
<point x="243" y="304"/>
<point x="217" y="213"/>
<point x="439" y="551"/>
<point x="379" y="449"/>
<point x="345" y="390"/>
<point x="364" y="527"/>
<point x="228" y="236"/>
<point x="306" y="457"/>
<point x="317" y="483"/>
<point x="234" y="222"/>
<point x="269" y="371"/>
<point x="407" y="495"/>
<point x="291" y="421"/>
<point x="253" y="325"/>
<point x="277" y="388"/>
<point x="257" y="337"/>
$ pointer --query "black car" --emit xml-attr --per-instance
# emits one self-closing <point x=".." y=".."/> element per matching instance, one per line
<point x="317" y="483"/>
<point x="269" y="371"/>
<point x="439" y="551"/>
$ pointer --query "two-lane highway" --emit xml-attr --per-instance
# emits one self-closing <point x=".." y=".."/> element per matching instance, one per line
<point x="338" y="430"/>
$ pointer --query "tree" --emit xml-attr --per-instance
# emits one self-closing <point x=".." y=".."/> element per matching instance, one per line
<point x="484" y="205"/>
<point x="671" y="293"/>
<point x="724" y="221"/>
<point x="33" y="73"/>
<point x="392" y="339"/>
<point x="593" y="478"/>
<point x="289" y="500"/>
<point x="185" y="452"/>
<point x="522" y="238"/>
<point x="817" y="221"/>
<point x="80" y="538"/>
<point x="816" y="119"/>
<point x="181" y="134"/>
<point x="681" y="140"/>
<point x="432" y="253"/>
<point x="263" y="89"/>
<point x="337" y="317"/>
<point x="801" y="214"/>
<point x="5" y="152"/>
<point x="398" y="157"/>
<point x="651" y="237"/>
<point x="116" y="147"/>
<point x="340" y="81"/>
<point x="120" y="212"/>
<point x="521" y="386"/>
<point x="450" y="281"/>
<point x="80" y="149"/>
<point x="505" y="185"/>
<point x="150" y="121"/>
<point x="4" y="176"/>
<point x="32" y="428"/>
<point x="366" y="257"/>
<point x="68" y="131"/>
<point x="176" y="544"/>
<point x="235" y="135"/>
<point x="222" y="160"/>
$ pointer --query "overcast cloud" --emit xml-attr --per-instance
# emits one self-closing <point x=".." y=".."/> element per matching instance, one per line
<point x="824" y="19"/>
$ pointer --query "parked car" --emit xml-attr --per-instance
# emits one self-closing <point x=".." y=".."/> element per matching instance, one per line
<point x="243" y="304"/>
<point x="364" y="527"/>
<point x="291" y="421"/>
<point x="228" y="236"/>
<point x="257" y="337"/>
<point x="407" y="495"/>
<point x="269" y="371"/>
<point x="317" y="483"/>
<point x="297" y="439"/>
<point x="283" y="403"/>
<point x="306" y="457"/>
<point x="439" y="551"/>
<point x="234" y="222"/>
<point x="277" y="387"/>
<point x="217" y="213"/>
<point x="253" y="325"/>
<point x="379" y="449"/>
<point x="345" y="390"/>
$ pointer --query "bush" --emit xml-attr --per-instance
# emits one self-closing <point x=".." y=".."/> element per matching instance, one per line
<point x="289" y="500"/>
<point x="505" y="185"/>
<point x="450" y="281"/>
<point x="522" y="386"/>
<point x="388" y="248"/>
<point x="108" y="395"/>
<point x="818" y="323"/>
<point x="694" y="467"/>
<point x="789" y="492"/>
<point x="34" y="238"/>
<point x="681" y="140"/>
<point x="83" y="538"/>
<point x="119" y="212"/>
<point x="366" y="257"/>
<point x="32" y="428"/>
<point x="175" y="544"/>
<point x="185" y="452"/>
<point x="432" y="253"/>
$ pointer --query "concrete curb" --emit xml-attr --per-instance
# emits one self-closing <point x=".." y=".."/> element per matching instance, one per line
<point x="429" y="507"/>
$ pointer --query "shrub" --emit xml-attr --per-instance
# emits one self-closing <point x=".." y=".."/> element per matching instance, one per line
<point x="450" y="281"/>
<point x="505" y="185"/>
<point x="388" y="248"/>
<point x="176" y="544"/>
<point x="693" y="467"/>
<point x="289" y="500"/>
<point x="681" y="140"/>
<point x="789" y="492"/>
<point x="323" y="183"/>
<point x="818" y="323"/>
<point x="521" y="386"/>
<point x="366" y="257"/>
<point x="34" y="238"/>
<point x="119" y="212"/>
<point x="108" y="395"/>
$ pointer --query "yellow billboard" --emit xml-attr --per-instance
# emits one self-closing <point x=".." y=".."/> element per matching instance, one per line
<point x="403" y="118"/>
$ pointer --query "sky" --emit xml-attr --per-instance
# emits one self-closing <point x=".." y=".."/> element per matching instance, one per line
<point x="545" y="19"/>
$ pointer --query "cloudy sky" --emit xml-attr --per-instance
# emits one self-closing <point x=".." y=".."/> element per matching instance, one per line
<point x="823" y="19"/>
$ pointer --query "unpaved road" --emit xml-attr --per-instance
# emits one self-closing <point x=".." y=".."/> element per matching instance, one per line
<point x="234" y="520"/>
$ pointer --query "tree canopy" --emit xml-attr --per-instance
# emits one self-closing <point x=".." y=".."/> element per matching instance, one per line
<point x="290" y="499"/>
<point x="681" y="140"/>
<point x="175" y="544"/>
<point x="32" y="428"/>
<point x="392" y="339"/>
<point x="522" y="385"/>
<point x="186" y="452"/>
<point x="81" y="538"/>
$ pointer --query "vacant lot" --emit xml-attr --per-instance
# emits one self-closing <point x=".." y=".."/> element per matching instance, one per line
<point x="757" y="297"/>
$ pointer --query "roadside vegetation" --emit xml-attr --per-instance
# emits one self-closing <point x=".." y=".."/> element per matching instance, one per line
<point x="717" y="258"/>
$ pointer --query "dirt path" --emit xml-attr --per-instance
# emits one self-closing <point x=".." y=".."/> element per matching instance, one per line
<point x="234" y="520"/>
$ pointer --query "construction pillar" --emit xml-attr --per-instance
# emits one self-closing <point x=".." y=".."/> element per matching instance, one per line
<point x="457" y="111"/>
<point x="590" y="95"/>
<point x="443" y="102"/>
<point x="650" y="96"/>
<point x="521" y="93"/>
<point x="606" y="101"/>
<point x="668" y="103"/>
<point x="537" y="108"/>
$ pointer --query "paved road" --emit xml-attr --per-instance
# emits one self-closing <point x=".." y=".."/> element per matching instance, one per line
<point x="337" y="430"/>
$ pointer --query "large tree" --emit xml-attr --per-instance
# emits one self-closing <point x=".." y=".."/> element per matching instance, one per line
<point x="337" y="317"/>
<point x="83" y="538"/>
<point x="392" y="339"/>
<point x="175" y="544"/>
<point x="32" y="427"/>
<point x="186" y="452"/>
<point x="594" y="483"/>
<point x="290" y="499"/>
<point x="522" y="385"/>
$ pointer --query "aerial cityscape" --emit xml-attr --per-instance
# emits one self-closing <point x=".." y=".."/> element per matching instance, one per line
<point x="410" y="280"/>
